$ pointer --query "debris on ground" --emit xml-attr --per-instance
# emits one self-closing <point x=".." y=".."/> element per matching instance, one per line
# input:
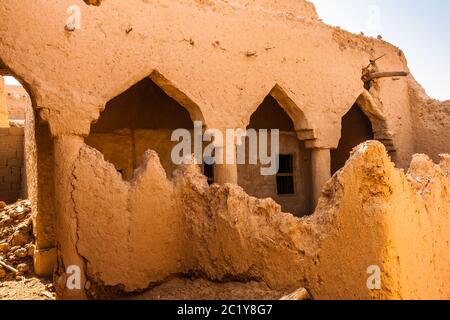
<point x="17" y="280"/>
<point x="16" y="240"/>
<point x="300" y="294"/>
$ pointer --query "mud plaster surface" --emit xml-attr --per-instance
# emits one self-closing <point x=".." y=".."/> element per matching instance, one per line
<point x="370" y="214"/>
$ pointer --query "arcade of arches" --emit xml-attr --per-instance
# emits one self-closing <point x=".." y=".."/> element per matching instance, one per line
<point x="144" y="117"/>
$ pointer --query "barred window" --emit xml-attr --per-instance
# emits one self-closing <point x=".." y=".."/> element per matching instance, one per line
<point x="285" y="176"/>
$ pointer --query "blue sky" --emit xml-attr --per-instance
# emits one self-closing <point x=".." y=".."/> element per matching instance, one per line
<point x="421" y="28"/>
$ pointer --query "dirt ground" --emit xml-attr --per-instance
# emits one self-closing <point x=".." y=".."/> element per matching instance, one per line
<point x="199" y="289"/>
<point x="33" y="288"/>
<point x="17" y="279"/>
<point x="30" y="288"/>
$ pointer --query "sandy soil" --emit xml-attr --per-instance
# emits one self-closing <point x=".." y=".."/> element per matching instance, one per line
<point x="186" y="289"/>
<point x="30" y="288"/>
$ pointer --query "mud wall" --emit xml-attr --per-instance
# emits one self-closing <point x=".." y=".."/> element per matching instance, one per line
<point x="126" y="148"/>
<point x="244" y="68"/>
<point x="432" y="120"/>
<point x="159" y="141"/>
<point x="370" y="214"/>
<point x="4" y="120"/>
<point x="17" y="101"/>
<point x="117" y="149"/>
<point x="11" y="163"/>
<point x="257" y="185"/>
<point x="301" y="9"/>
<point x="147" y="244"/>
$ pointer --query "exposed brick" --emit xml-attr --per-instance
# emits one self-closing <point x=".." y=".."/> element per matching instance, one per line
<point x="14" y="131"/>
<point x="11" y="163"/>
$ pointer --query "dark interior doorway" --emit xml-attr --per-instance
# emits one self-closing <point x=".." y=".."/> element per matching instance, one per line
<point x="356" y="129"/>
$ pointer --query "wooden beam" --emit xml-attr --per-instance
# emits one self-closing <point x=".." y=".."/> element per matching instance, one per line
<point x="377" y="75"/>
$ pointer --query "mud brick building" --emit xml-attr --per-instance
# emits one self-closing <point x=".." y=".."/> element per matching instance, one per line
<point x="106" y="197"/>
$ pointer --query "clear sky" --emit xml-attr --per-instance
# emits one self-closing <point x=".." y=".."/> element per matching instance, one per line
<point x="421" y="28"/>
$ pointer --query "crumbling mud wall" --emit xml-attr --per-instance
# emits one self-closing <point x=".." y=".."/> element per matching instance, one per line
<point x="421" y="249"/>
<point x="378" y="216"/>
<point x="11" y="163"/>
<point x="299" y="9"/>
<point x="145" y="222"/>
<point x="371" y="214"/>
<point x="431" y="120"/>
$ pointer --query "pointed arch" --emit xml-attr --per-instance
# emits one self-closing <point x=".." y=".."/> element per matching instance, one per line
<point x="378" y="119"/>
<point x="39" y="184"/>
<point x="143" y="117"/>
<point x="182" y="98"/>
<point x="32" y="93"/>
<point x="170" y="89"/>
<point x="302" y="126"/>
<point x="364" y="120"/>
<point x="291" y="185"/>
<point x="372" y="110"/>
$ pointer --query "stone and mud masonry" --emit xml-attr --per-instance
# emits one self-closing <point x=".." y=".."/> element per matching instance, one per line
<point x="17" y="280"/>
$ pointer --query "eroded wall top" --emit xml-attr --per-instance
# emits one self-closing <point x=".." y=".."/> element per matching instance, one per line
<point x="299" y="8"/>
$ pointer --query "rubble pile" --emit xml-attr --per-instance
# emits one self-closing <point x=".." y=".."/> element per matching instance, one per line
<point x="16" y="240"/>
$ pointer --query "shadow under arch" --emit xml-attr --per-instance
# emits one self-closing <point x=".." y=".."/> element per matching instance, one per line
<point x="143" y="117"/>
<point x="364" y="120"/>
<point x="183" y="99"/>
<point x="166" y="85"/>
<point x="302" y="126"/>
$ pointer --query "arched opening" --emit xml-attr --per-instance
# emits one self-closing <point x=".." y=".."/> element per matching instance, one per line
<point x="291" y="186"/>
<point x="14" y="100"/>
<point x="141" y="118"/>
<point x="356" y="129"/>
<point x="27" y="154"/>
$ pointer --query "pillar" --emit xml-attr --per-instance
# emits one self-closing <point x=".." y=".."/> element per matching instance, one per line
<point x="321" y="171"/>
<point x="66" y="150"/>
<point x="225" y="173"/>
<point x="225" y="150"/>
